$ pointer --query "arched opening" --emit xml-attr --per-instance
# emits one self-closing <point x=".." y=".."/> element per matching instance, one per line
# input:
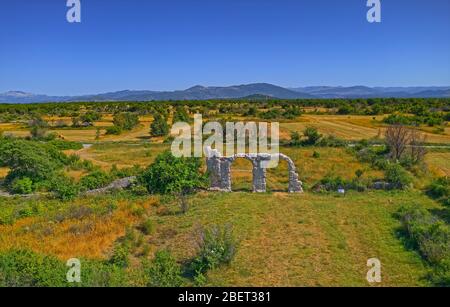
<point x="278" y="177"/>
<point x="242" y="175"/>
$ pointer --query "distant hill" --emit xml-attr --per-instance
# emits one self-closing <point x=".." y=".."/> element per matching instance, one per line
<point x="375" y="92"/>
<point x="246" y="91"/>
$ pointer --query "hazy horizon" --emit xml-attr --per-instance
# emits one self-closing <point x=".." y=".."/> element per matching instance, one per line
<point x="174" y="45"/>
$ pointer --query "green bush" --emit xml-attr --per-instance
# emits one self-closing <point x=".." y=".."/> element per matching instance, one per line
<point x="439" y="189"/>
<point x="148" y="227"/>
<point x="163" y="271"/>
<point x="113" y="130"/>
<point x="169" y="174"/>
<point x="31" y="159"/>
<point x="22" y="268"/>
<point x="312" y="136"/>
<point x="64" y="188"/>
<point x="120" y="256"/>
<point x="159" y="126"/>
<point x="22" y="186"/>
<point x="181" y="115"/>
<point x="96" y="179"/>
<point x="126" y="121"/>
<point x="217" y="246"/>
<point x="396" y="175"/>
<point x="431" y="237"/>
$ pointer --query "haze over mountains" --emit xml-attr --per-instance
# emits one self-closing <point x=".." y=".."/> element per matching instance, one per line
<point x="240" y="91"/>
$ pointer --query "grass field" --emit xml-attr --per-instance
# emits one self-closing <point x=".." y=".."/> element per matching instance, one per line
<point x="353" y="127"/>
<point x="310" y="239"/>
<point x="348" y="127"/>
<point x="285" y="240"/>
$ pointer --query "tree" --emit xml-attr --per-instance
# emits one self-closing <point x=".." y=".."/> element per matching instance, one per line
<point x="296" y="139"/>
<point x="397" y="139"/>
<point x="418" y="150"/>
<point x="126" y="121"/>
<point x="34" y="160"/>
<point x="38" y="128"/>
<point x="180" y="115"/>
<point x="312" y="136"/>
<point x="171" y="175"/>
<point x="159" y="126"/>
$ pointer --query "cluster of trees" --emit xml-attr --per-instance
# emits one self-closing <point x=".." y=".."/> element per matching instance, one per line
<point x="372" y="106"/>
<point x="429" y="119"/>
<point x="312" y="137"/>
<point x="86" y="120"/>
<point x="123" y="122"/>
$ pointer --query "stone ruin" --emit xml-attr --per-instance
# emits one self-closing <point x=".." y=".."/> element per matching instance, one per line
<point x="219" y="169"/>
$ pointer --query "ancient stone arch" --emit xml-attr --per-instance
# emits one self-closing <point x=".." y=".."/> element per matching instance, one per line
<point x="219" y="169"/>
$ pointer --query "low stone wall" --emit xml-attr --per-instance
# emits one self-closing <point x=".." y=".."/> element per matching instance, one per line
<point x="116" y="185"/>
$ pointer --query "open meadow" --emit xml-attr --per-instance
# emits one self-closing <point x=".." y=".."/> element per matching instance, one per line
<point x="316" y="238"/>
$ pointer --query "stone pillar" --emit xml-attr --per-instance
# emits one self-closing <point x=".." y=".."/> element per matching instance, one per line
<point x="260" y="173"/>
<point x="213" y="165"/>
<point x="295" y="185"/>
<point x="225" y="174"/>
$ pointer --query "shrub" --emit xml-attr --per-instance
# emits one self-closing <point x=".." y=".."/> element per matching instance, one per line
<point x="296" y="139"/>
<point x="38" y="128"/>
<point x="102" y="274"/>
<point x="316" y="155"/>
<point x="440" y="189"/>
<point x="331" y="141"/>
<point x="169" y="174"/>
<point x="66" y="145"/>
<point x="429" y="235"/>
<point x="181" y="115"/>
<point x="217" y="246"/>
<point x="31" y="159"/>
<point x="23" y="268"/>
<point x="22" y="186"/>
<point x="163" y="271"/>
<point x="64" y="188"/>
<point x="95" y="180"/>
<point x="148" y="227"/>
<point x="396" y="175"/>
<point x="126" y="121"/>
<point x="331" y="183"/>
<point x="120" y="256"/>
<point x="159" y="126"/>
<point x="113" y="130"/>
<point x="312" y="136"/>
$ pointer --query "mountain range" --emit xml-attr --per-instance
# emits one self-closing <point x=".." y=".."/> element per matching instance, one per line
<point x="247" y="91"/>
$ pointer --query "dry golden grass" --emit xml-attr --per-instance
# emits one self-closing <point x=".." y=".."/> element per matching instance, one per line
<point x="9" y="126"/>
<point x="351" y="127"/>
<point x="121" y="154"/>
<point x="332" y="161"/>
<point x="89" y="237"/>
<point x="439" y="163"/>
<point x="3" y="172"/>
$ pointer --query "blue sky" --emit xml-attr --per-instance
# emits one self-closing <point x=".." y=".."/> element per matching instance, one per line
<point x="175" y="44"/>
